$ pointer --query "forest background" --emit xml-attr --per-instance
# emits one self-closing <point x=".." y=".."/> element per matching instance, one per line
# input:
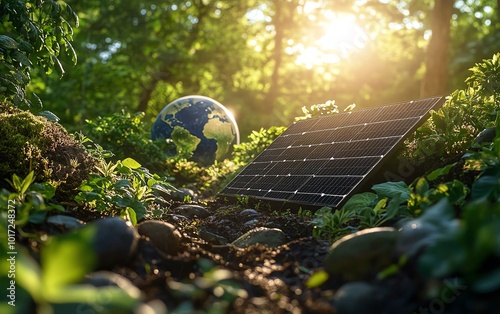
<point x="263" y="60"/>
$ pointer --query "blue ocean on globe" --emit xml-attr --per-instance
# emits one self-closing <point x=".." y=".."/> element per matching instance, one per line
<point x="200" y="129"/>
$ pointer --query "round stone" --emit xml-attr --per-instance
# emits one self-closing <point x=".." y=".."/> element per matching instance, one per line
<point x="162" y="234"/>
<point x="362" y="254"/>
<point x="115" y="241"/>
<point x="198" y="128"/>
<point x="272" y="237"/>
<point x="192" y="211"/>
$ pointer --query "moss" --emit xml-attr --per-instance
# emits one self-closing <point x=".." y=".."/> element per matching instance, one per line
<point x="29" y="142"/>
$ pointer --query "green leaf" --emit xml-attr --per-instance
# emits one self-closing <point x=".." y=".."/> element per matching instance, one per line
<point x="27" y="182"/>
<point x="38" y="217"/>
<point x="7" y="42"/>
<point x="49" y="116"/>
<point x="422" y="186"/>
<point x="392" y="190"/>
<point x="317" y="279"/>
<point x="45" y="189"/>
<point x="132" y="216"/>
<point x="67" y="259"/>
<point x="16" y="183"/>
<point x="358" y="201"/>
<point x="440" y="172"/>
<point x="131" y="163"/>
<point x="485" y="185"/>
<point x="379" y="207"/>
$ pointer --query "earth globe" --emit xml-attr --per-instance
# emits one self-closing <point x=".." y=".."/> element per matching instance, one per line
<point x="198" y="128"/>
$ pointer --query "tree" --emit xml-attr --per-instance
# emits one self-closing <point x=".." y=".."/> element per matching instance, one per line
<point x="141" y="55"/>
<point x="32" y="32"/>
<point x="435" y="81"/>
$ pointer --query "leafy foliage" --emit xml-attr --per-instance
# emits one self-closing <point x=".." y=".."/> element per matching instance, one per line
<point x="125" y="136"/>
<point x="452" y="129"/>
<point x="32" y="32"/>
<point x="256" y="142"/>
<point x="124" y="188"/>
<point x="30" y="200"/>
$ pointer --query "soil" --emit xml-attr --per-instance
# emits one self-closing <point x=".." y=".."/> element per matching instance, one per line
<point x="267" y="280"/>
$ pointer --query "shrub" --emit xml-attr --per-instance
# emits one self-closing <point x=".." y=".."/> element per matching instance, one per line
<point x="32" y="143"/>
<point x="452" y="129"/>
<point x="125" y="136"/>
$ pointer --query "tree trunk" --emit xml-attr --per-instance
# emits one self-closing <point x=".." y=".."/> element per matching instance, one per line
<point x="435" y="81"/>
<point x="273" y="92"/>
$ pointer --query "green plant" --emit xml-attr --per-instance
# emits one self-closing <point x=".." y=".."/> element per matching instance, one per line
<point x="332" y="225"/>
<point x="453" y="128"/>
<point x="125" y="135"/>
<point x="124" y="188"/>
<point x="423" y="196"/>
<point x="54" y="285"/>
<point x="29" y="199"/>
<point x="257" y="141"/>
<point x="468" y="249"/>
<point x="32" y="32"/>
<point x="386" y="204"/>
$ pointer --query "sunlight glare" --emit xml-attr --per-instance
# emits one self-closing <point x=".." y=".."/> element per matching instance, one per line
<point x="339" y="35"/>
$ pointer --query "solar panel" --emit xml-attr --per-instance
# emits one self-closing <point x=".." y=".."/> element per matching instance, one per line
<point x="320" y="161"/>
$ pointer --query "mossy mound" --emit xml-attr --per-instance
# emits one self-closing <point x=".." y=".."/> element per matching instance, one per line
<point x="32" y="143"/>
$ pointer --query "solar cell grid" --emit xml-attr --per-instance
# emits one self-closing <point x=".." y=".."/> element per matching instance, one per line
<point x="321" y="161"/>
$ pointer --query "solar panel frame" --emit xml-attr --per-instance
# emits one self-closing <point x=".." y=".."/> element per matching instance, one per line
<point x="321" y="161"/>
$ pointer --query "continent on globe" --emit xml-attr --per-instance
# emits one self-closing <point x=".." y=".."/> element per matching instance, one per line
<point x="200" y="128"/>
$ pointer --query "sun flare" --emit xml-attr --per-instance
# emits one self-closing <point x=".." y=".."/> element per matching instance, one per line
<point x="338" y="36"/>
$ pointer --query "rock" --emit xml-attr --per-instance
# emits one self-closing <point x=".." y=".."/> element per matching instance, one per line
<point x="271" y="237"/>
<point x="192" y="211"/>
<point x="175" y="218"/>
<point x="67" y="222"/>
<point x="362" y="254"/>
<point x="356" y="297"/>
<point x="181" y="194"/>
<point x="212" y="237"/>
<point x="251" y="222"/>
<point x="162" y="234"/>
<point x="115" y="242"/>
<point x="249" y="213"/>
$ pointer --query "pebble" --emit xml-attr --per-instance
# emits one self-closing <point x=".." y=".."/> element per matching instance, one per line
<point x="251" y="222"/>
<point x="249" y="213"/>
<point x="272" y="237"/>
<point x="362" y="254"/>
<point x="181" y="195"/>
<point x="192" y="211"/>
<point x="211" y="237"/>
<point x="162" y="234"/>
<point x="176" y="218"/>
<point x="67" y="222"/>
<point x="114" y="242"/>
<point x="356" y="297"/>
